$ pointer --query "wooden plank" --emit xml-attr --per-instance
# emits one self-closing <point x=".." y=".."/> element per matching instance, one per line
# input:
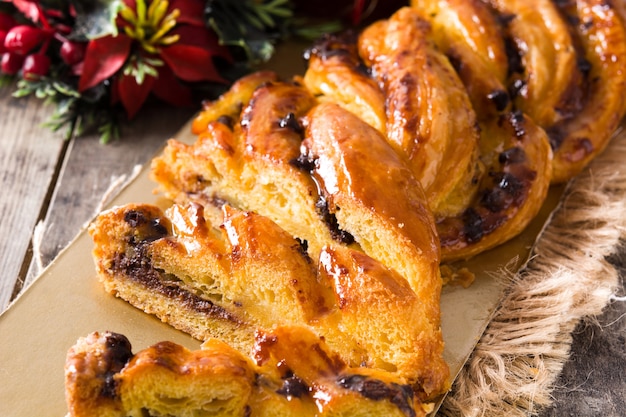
<point x="91" y="168"/>
<point x="28" y="160"/>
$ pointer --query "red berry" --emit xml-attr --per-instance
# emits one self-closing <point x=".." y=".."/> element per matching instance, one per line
<point x="3" y="34"/>
<point x="73" y="52"/>
<point x="22" y="39"/>
<point x="11" y="63"/>
<point x="35" y="66"/>
<point x="6" y="21"/>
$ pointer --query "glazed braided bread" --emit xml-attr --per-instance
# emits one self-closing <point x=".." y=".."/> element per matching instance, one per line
<point x="296" y="375"/>
<point x="319" y="208"/>
<point x="228" y="280"/>
<point x="560" y="62"/>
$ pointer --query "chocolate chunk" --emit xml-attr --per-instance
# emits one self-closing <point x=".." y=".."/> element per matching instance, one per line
<point x="116" y="356"/>
<point x="556" y="136"/>
<point x="583" y="65"/>
<point x="304" y="163"/>
<point x="330" y="45"/>
<point x="508" y="183"/>
<point x="135" y="218"/>
<point x="399" y="395"/>
<point x="494" y="199"/>
<point x="147" y="229"/>
<point x="226" y="121"/>
<point x="516" y="118"/>
<point x="517" y="88"/>
<point x="514" y="56"/>
<point x="293" y="387"/>
<point x="290" y="121"/>
<point x="506" y="190"/>
<point x="506" y="18"/>
<point x="472" y="225"/>
<point x="499" y="98"/>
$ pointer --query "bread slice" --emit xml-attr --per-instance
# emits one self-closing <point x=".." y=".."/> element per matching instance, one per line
<point x="248" y="159"/>
<point x="228" y="281"/>
<point x="270" y="169"/>
<point x="295" y="375"/>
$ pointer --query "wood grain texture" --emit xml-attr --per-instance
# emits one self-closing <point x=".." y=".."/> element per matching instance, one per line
<point x="28" y="159"/>
<point x="91" y="168"/>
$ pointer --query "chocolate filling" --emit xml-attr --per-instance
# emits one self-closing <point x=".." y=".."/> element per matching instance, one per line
<point x="331" y="222"/>
<point x="136" y="265"/>
<point x="306" y="163"/>
<point x="227" y="121"/>
<point x="116" y="356"/>
<point x="293" y="387"/>
<point x="499" y="98"/>
<point x="399" y="395"/>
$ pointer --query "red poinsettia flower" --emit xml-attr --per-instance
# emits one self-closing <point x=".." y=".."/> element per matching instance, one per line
<point x="160" y="46"/>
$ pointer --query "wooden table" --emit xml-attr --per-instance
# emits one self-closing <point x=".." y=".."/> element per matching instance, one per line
<point x="52" y="187"/>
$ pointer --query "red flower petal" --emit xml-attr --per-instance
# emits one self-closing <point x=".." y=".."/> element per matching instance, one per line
<point x="169" y="89"/>
<point x="191" y="11"/>
<point x="28" y="8"/>
<point x="133" y="95"/>
<point x="202" y="38"/>
<point x="104" y="57"/>
<point x="191" y="63"/>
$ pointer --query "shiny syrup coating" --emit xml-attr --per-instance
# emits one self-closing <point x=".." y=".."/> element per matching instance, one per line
<point x="270" y="122"/>
<point x="340" y="143"/>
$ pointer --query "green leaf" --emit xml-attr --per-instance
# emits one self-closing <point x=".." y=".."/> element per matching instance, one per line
<point x="108" y="131"/>
<point x="40" y="93"/>
<point x="22" y="92"/>
<point x="65" y="89"/>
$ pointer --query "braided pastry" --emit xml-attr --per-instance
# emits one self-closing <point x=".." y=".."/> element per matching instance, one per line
<point x="565" y="65"/>
<point x="480" y="198"/>
<point x="249" y="274"/>
<point x="346" y="184"/>
<point x="312" y="214"/>
<point x="295" y="374"/>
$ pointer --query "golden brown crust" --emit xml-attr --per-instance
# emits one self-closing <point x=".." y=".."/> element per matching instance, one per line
<point x="379" y="310"/>
<point x="564" y="67"/>
<point x="466" y="225"/>
<point x="242" y="166"/>
<point x="578" y="140"/>
<point x="89" y="375"/>
<point x="231" y="103"/>
<point x="270" y="122"/>
<point x="469" y="34"/>
<point x="403" y="140"/>
<point x="519" y="157"/>
<point x="295" y="375"/>
<point x="249" y="274"/>
<point x="168" y="379"/>
<point x="548" y="69"/>
<point x="335" y="73"/>
<point x="379" y="202"/>
<point x="430" y="120"/>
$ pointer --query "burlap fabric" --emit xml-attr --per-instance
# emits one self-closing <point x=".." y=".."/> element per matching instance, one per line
<point x="522" y="352"/>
